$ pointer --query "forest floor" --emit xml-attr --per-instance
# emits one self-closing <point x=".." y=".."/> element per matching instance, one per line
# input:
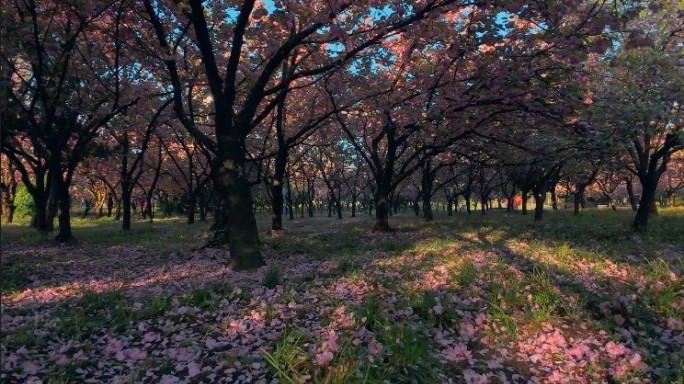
<point x="475" y="299"/>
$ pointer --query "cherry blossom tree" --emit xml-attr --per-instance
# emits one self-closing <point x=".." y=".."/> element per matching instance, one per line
<point x="65" y="78"/>
<point x="246" y="92"/>
<point x="639" y="98"/>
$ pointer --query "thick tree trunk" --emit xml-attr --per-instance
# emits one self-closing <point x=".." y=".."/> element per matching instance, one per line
<point x="467" y="203"/>
<point x="39" y="220"/>
<point x="483" y="204"/>
<point x="428" y="215"/>
<point x="647" y="203"/>
<point x="353" y="205"/>
<point x="426" y="184"/>
<point x="630" y="192"/>
<point x="126" y="209"/>
<point x="238" y="219"/>
<point x="110" y="206"/>
<point x="539" y="198"/>
<point x="149" y="210"/>
<point x="525" y="196"/>
<point x="192" y="205"/>
<point x="450" y="207"/>
<point x="330" y="206"/>
<point x="382" y="208"/>
<point x="64" y="235"/>
<point x="40" y="200"/>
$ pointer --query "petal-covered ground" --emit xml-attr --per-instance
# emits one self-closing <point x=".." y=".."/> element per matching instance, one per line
<point x="463" y="299"/>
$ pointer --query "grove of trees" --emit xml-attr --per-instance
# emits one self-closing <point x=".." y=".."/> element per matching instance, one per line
<point x="297" y="107"/>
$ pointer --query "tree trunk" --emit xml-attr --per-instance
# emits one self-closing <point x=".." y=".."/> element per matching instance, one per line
<point x="382" y="210"/>
<point x="87" y="205"/>
<point x="234" y="191"/>
<point x="192" y="205"/>
<point x="338" y="206"/>
<point x="39" y="219"/>
<point x="149" y="210"/>
<point x="525" y="196"/>
<point x="63" y="202"/>
<point x="110" y="206"/>
<point x="330" y="205"/>
<point x="450" y="207"/>
<point x="426" y="184"/>
<point x="539" y="198"/>
<point x="202" y="205"/>
<point x="353" y="205"/>
<point x="52" y="204"/>
<point x="467" y="203"/>
<point x="630" y="192"/>
<point x="126" y="208"/>
<point x="554" y="199"/>
<point x="277" y="198"/>
<point x="416" y="207"/>
<point x="428" y="215"/>
<point x="647" y="203"/>
<point x="290" y="205"/>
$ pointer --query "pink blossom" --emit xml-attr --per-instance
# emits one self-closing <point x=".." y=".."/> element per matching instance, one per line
<point x="114" y="345"/>
<point x="467" y="330"/>
<point x="150" y="337"/>
<point x="136" y="354"/>
<point x="193" y="369"/>
<point x="30" y="367"/>
<point x="635" y="360"/>
<point x="62" y="360"/>
<point x="578" y="351"/>
<point x="615" y="350"/>
<point x="331" y="343"/>
<point x="457" y="353"/>
<point x="495" y="364"/>
<point x="674" y="324"/>
<point x="556" y="377"/>
<point x="169" y="379"/>
<point x="472" y="377"/>
<point x="324" y="358"/>
<point x="210" y="343"/>
<point x="374" y="347"/>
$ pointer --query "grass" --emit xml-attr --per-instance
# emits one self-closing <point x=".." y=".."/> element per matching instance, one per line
<point x="272" y="278"/>
<point x="163" y="233"/>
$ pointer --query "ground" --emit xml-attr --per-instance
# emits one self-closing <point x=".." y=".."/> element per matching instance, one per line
<point x="463" y="299"/>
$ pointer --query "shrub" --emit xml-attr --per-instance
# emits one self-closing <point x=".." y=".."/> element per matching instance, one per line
<point x="23" y="203"/>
